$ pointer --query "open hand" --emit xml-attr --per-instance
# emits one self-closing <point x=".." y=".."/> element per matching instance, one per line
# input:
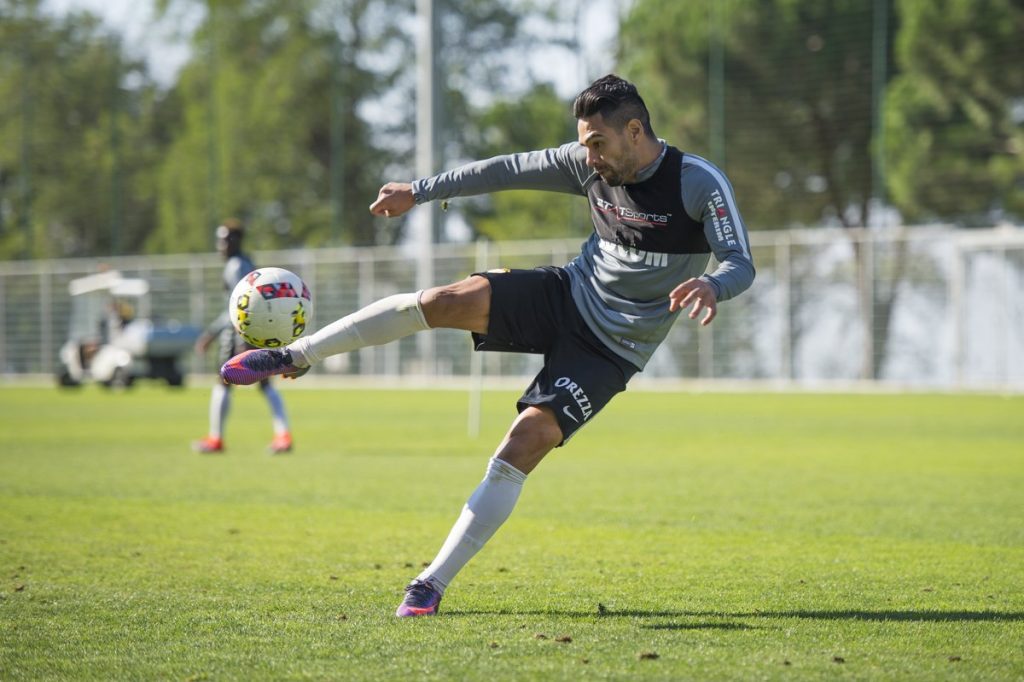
<point x="699" y="294"/>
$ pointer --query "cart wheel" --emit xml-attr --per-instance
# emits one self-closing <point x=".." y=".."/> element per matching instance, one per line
<point x="65" y="380"/>
<point x="122" y="378"/>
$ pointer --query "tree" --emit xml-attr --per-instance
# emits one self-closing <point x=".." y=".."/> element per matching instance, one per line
<point x="76" y="137"/>
<point x="492" y="103"/>
<point x="264" y="136"/>
<point x="954" y="114"/>
<point x="270" y="127"/>
<point x="538" y="119"/>
<point x="796" y="99"/>
<point x="795" y="83"/>
<point x="289" y="115"/>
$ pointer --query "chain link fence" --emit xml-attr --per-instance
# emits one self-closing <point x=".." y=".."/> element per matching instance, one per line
<point x="926" y="308"/>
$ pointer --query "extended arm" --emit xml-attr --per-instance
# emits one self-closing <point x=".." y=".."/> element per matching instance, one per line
<point x="560" y="169"/>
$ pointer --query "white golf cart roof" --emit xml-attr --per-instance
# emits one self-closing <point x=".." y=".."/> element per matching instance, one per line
<point x="111" y="281"/>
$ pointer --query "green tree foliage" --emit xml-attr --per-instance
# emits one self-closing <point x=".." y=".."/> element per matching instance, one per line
<point x="291" y="113"/>
<point x="257" y="137"/>
<point x="492" y="104"/>
<point x="78" y="137"/>
<point x="270" y="128"/>
<point x="797" y="98"/>
<point x="955" y="113"/>
<point x="538" y="119"/>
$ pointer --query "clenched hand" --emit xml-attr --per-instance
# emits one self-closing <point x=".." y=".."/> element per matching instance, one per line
<point x="393" y="199"/>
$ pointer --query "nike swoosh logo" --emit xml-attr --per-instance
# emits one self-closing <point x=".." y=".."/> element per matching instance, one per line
<point x="569" y="414"/>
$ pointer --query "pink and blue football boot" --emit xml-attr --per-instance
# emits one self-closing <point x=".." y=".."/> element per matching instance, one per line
<point x="259" y="364"/>
<point x="421" y="599"/>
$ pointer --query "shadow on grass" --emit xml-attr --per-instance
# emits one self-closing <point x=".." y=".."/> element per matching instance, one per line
<point x="701" y="626"/>
<point x="908" y="616"/>
<point x="880" y="616"/>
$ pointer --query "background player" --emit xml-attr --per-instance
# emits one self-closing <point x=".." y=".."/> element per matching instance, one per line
<point x="237" y="264"/>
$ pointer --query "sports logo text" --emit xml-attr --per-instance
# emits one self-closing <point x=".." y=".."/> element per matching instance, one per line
<point x="627" y="214"/>
<point x="578" y="394"/>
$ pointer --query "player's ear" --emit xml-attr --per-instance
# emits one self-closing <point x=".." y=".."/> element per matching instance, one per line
<point x="635" y="129"/>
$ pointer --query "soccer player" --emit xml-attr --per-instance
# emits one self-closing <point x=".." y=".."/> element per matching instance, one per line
<point x="658" y="214"/>
<point x="237" y="265"/>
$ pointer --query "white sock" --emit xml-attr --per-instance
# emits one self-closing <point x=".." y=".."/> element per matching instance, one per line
<point x="220" y="405"/>
<point x="388" y="319"/>
<point x="277" y="414"/>
<point x="487" y="508"/>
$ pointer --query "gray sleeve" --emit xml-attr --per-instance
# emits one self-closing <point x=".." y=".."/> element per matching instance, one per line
<point x="560" y="169"/>
<point x="235" y="269"/>
<point x="709" y="199"/>
<point x="219" y="324"/>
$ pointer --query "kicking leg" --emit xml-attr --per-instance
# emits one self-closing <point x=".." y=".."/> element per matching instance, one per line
<point x="533" y="434"/>
<point x="463" y="305"/>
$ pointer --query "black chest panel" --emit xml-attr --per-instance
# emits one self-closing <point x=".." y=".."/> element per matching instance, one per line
<point x="648" y="215"/>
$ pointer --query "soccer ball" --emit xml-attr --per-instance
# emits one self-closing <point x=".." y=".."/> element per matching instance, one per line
<point x="270" y="307"/>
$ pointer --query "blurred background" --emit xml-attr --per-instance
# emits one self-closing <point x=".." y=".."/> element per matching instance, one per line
<point x="876" y="148"/>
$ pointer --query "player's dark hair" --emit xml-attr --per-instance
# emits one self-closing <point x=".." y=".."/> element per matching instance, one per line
<point x="231" y="228"/>
<point x="616" y="100"/>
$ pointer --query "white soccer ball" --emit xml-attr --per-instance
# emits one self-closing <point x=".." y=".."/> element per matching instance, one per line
<point x="270" y="307"/>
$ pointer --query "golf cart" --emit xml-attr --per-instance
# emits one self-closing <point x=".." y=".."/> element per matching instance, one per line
<point x="109" y="344"/>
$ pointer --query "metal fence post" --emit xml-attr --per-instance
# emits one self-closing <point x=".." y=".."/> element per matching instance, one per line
<point x="3" y="325"/>
<point x="46" y="348"/>
<point x="957" y="280"/>
<point x="867" y="302"/>
<point x="783" y="275"/>
<point x="365" y="296"/>
<point x="1006" y="319"/>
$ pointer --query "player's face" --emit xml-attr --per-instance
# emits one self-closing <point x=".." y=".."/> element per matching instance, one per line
<point x="228" y="244"/>
<point x="612" y="153"/>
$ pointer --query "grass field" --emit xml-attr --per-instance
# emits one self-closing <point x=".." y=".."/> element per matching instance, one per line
<point x="679" y="536"/>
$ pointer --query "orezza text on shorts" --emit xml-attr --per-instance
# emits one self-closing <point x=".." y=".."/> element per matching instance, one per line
<point x="578" y="394"/>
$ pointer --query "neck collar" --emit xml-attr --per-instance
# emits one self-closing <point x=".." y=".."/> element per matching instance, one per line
<point x="650" y="169"/>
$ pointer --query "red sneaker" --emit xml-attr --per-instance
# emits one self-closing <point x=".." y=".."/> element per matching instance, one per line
<point x="209" y="445"/>
<point x="281" y="444"/>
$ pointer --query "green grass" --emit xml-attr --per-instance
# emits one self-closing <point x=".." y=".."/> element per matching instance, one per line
<point x="737" y="537"/>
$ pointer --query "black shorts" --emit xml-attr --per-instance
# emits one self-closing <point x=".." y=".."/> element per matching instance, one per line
<point x="532" y="311"/>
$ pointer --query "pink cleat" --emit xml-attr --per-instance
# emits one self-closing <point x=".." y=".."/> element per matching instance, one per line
<point x="259" y="364"/>
<point x="421" y="599"/>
